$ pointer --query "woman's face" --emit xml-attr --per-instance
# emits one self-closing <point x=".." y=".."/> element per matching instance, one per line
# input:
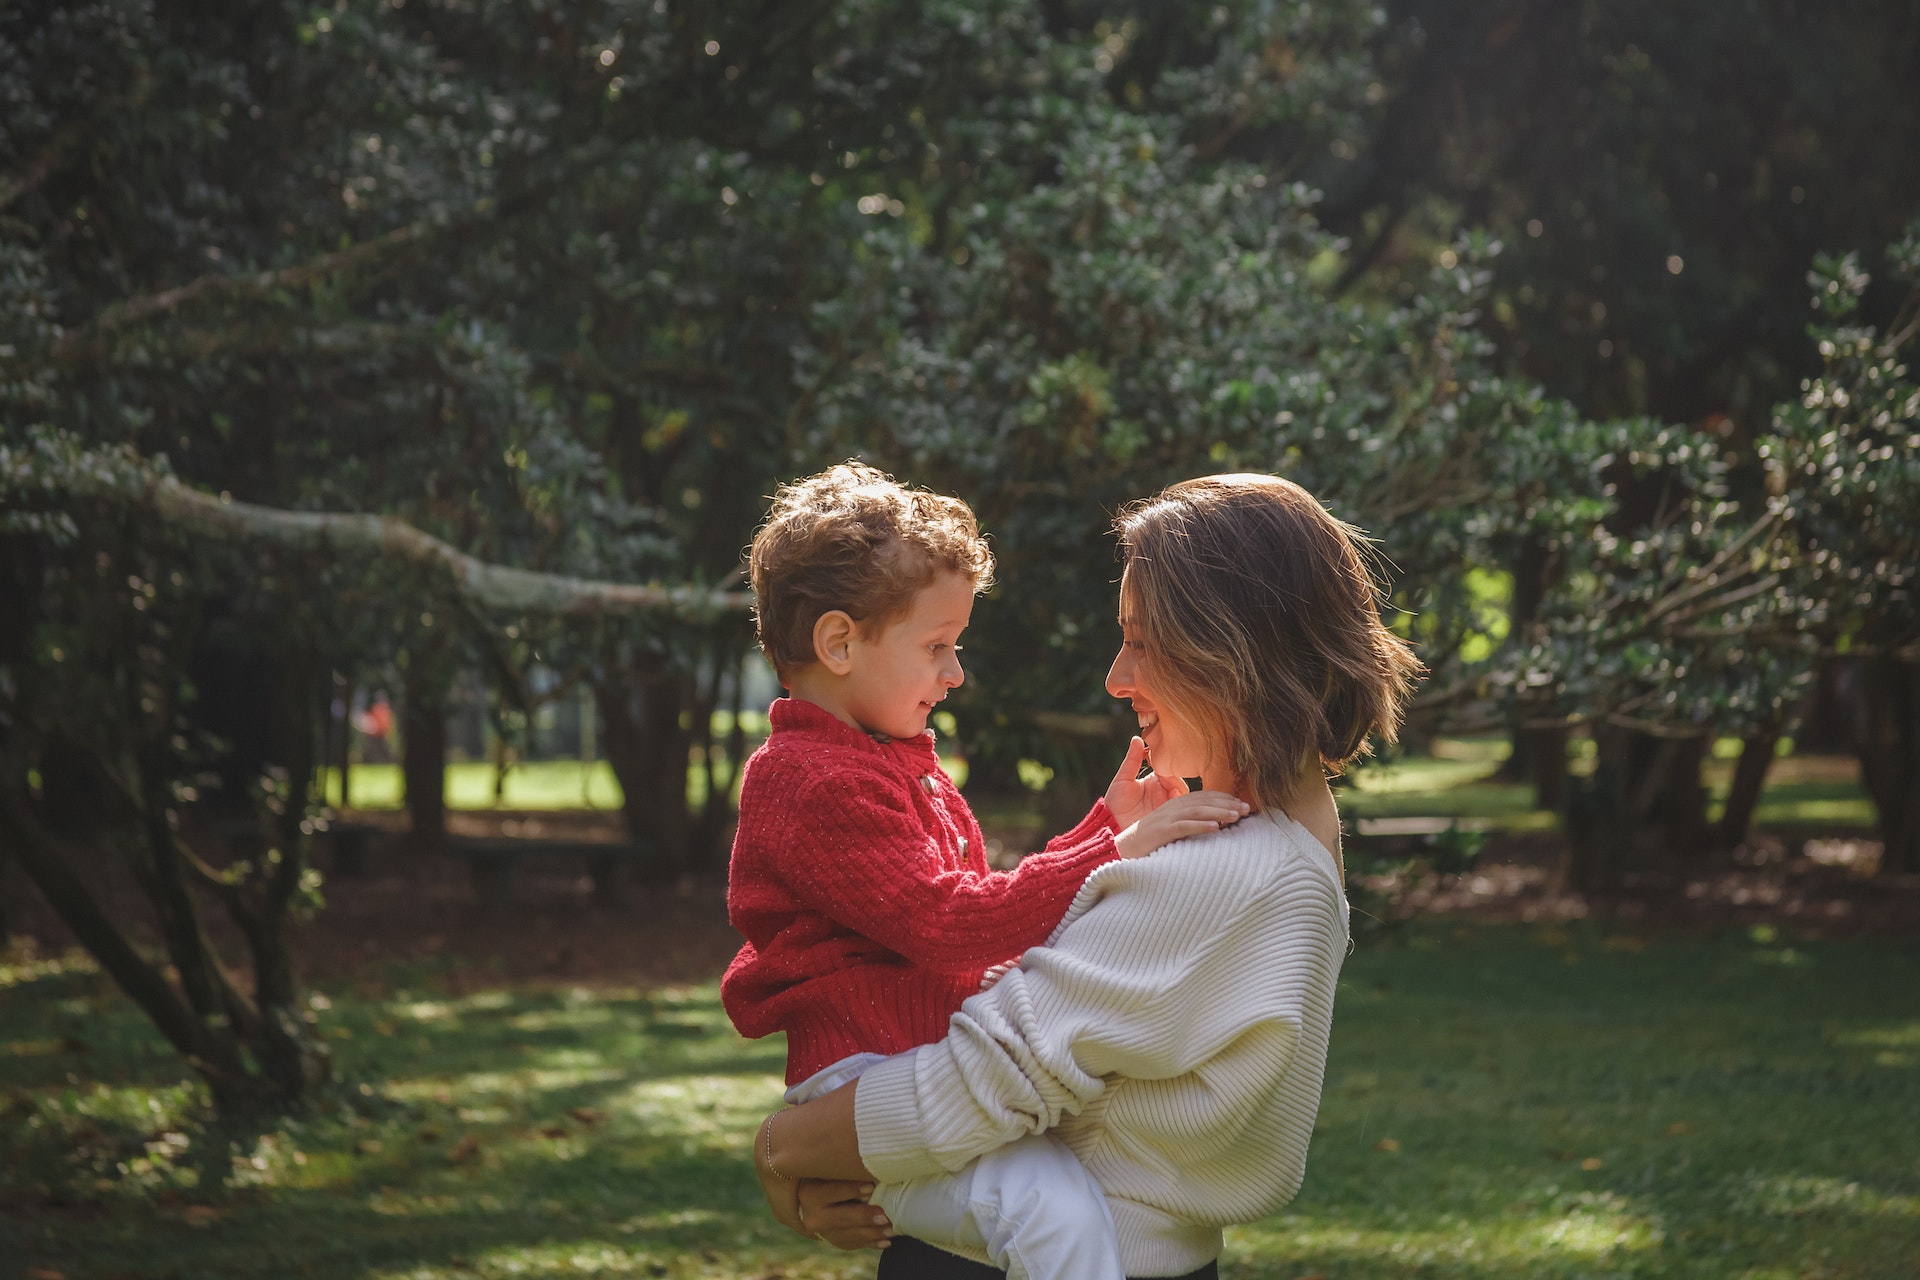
<point x="1176" y="747"/>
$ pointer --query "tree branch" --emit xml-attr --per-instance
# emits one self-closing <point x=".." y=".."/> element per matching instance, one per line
<point x="15" y="185"/>
<point x="133" y="310"/>
<point x="487" y="585"/>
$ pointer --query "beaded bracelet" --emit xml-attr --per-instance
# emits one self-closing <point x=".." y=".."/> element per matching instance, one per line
<point x="766" y="1132"/>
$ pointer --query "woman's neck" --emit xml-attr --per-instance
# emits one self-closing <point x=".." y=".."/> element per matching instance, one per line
<point x="1309" y="803"/>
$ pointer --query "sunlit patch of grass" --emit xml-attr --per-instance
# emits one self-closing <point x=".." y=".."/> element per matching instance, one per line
<point x="532" y="784"/>
<point x="1501" y="1103"/>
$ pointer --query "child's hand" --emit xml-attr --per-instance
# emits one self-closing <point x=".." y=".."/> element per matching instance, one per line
<point x="1191" y="814"/>
<point x="1131" y="795"/>
<point x="998" y="972"/>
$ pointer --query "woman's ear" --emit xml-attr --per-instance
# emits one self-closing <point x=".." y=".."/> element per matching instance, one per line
<point x="833" y="641"/>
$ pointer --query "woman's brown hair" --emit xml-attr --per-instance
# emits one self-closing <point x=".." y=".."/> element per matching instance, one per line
<point x="1260" y="622"/>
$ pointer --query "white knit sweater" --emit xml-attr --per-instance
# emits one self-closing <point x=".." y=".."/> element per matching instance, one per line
<point x="1173" y="1032"/>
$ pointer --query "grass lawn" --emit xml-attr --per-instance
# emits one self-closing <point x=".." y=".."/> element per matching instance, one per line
<point x="1453" y="781"/>
<point x="1501" y="1102"/>
<point x="1456" y="780"/>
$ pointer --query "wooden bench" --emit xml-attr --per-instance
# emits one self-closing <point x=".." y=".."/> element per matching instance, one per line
<point x="611" y="865"/>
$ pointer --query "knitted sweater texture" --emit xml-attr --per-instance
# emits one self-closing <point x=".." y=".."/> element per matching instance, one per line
<point x="1173" y="1033"/>
<point x="859" y="880"/>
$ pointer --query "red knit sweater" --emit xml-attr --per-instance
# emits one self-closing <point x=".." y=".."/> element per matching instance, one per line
<point x="861" y="885"/>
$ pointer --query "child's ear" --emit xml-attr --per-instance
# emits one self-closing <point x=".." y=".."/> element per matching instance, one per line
<point x="833" y="641"/>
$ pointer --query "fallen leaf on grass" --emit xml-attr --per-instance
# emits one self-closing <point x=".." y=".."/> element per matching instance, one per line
<point x="554" y="1131"/>
<point x="1591" y="1163"/>
<point x="464" y="1150"/>
<point x="1386" y="1144"/>
<point x="1678" y="1127"/>
<point x="200" y="1215"/>
<point x="369" y="1147"/>
<point x="45" y="1273"/>
<point x="587" y="1116"/>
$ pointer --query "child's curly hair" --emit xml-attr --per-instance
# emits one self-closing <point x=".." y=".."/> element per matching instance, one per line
<point x="854" y="539"/>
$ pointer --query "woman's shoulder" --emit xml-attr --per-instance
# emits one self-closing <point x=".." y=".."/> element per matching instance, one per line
<point x="1208" y="878"/>
<point x="1264" y="846"/>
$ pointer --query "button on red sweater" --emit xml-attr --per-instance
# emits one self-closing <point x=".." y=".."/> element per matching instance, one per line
<point x="860" y="882"/>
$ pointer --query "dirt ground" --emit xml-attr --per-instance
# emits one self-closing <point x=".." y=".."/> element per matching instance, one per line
<point x="406" y="905"/>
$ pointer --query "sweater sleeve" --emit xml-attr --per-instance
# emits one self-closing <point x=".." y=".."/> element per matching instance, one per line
<point x="1168" y="973"/>
<point x="866" y="860"/>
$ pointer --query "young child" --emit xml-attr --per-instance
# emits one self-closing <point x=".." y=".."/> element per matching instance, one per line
<point x="858" y="874"/>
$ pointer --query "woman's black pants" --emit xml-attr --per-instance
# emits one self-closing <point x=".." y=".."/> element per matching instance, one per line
<point x="910" y="1259"/>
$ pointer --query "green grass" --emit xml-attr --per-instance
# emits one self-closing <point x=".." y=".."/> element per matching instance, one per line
<point x="1501" y="1103"/>
<point x="534" y="784"/>
<point x="1456" y="780"/>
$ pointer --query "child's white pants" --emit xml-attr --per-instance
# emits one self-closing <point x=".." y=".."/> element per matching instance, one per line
<point x="1030" y="1206"/>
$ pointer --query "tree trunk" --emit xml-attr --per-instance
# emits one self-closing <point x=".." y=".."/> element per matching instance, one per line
<point x="1540" y="759"/>
<point x="1749" y="779"/>
<point x="647" y="745"/>
<point x="1889" y="748"/>
<point x="1680" y="805"/>
<point x="231" y="1042"/>
<point x="8" y="896"/>
<point x="423" y="756"/>
<point x="1598" y="826"/>
<point x="722" y="762"/>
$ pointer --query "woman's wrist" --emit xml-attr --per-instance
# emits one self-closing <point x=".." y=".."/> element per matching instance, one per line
<point x="763" y="1149"/>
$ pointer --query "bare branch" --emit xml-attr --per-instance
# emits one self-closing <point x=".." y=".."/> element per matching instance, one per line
<point x="487" y="585"/>
<point x="15" y="185"/>
<point x="133" y="310"/>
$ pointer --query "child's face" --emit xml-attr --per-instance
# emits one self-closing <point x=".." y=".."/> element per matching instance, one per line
<point x="896" y="676"/>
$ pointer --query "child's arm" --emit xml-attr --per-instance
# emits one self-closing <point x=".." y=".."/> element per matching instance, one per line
<point x="863" y="858"/>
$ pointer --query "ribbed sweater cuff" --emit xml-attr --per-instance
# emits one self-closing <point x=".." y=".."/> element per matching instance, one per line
<point x="1099" y="819"/>
<point x="887" y="1120"/>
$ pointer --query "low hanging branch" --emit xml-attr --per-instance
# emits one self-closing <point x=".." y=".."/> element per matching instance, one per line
<point x="126" y="480"/>
<point x="491" y="586"/>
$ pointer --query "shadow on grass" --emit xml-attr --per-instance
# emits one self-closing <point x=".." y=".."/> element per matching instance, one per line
<point x="1500" y="1102"/>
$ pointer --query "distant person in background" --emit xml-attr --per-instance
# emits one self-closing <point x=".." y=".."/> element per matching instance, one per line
<point x="1173" y="1031"/>
<point x="375" y="725"/>
<point x="859" y="876"/>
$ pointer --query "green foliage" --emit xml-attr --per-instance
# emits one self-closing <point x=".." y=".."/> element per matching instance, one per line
<point x="1848" y="454"/>
<point x="1662" y="172"/>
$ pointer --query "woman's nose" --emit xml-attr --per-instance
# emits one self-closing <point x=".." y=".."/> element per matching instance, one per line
<point x="1120" y="674"/>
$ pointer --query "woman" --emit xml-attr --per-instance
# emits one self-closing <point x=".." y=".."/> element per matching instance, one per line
<point x="1173" y="1032"/>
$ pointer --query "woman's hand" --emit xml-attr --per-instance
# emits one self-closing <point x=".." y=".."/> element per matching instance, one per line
<point x="814" y="1138"/>
<point x="838" y="1213"/>
<point x="1192" y="814"/>
<point x="1132" y="796"/>
<point x="782" y="1193"/>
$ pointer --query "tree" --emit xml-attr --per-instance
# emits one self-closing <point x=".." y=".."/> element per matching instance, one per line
<point x="1847" y="454"/>
<point x="113" y="576"/>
